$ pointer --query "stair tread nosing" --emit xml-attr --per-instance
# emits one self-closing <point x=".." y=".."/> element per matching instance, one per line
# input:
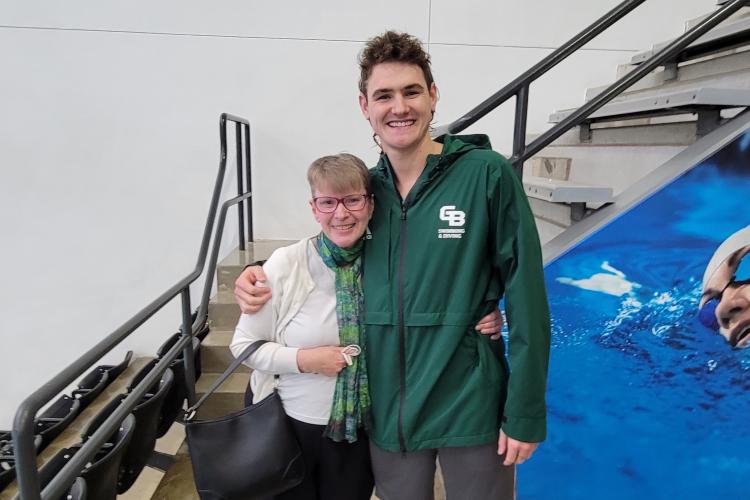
<point x="216" y="355"/>
<point x="218" y="338"/>
<point x="699" y="96"/>
<point x="725" y="30"/>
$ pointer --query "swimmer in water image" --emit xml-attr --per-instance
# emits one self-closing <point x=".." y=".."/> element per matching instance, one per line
<point x="724" y="306"/>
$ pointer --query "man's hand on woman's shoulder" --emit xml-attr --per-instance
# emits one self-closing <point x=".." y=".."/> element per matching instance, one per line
<point x="249" y="290"/>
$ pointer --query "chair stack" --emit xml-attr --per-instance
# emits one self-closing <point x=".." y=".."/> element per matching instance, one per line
<point x="117" y="464"/>
<point x="58" y="416"/>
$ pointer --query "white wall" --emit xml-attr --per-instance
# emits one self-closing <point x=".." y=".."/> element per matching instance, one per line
<point x="108" y="133"/>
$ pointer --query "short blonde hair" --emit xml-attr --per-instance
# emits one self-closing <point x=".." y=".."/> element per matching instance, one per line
<point x="340" y="172"/>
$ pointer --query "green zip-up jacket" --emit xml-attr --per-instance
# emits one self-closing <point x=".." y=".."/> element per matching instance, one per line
<point x="437" y="262"/>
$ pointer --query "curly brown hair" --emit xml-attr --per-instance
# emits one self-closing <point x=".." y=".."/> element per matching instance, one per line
<point x="392" y="46"/>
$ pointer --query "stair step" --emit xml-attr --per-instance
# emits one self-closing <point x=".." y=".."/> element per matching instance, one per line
<point x="228" y="398"/>
<point x="744" y="11"/>
<point x="638" y="132"/>
<point x="223" y="315"/>
<point x="559" y="214"/>
<point x="215" y="352"/>
<point x="726" y="35"/>
<point x="548" y="167"/>
<point x="721" y="66"/>
<point x="614" y="167"/>
<point x="560" y="191"/>
<point x="666" y="102"/>
<point x="178" y="482"/>
<point x="145" y="485"/>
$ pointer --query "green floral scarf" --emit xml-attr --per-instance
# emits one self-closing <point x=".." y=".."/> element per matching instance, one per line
<point x="351" y="398"/>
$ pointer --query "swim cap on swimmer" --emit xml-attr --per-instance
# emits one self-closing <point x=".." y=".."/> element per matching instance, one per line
<point x="736" y="241"/>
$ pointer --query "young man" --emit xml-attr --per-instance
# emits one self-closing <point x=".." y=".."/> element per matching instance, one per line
<point x="452" y="233"/>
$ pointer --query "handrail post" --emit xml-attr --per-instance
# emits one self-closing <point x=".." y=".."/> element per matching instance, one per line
<point x="249" y="185"/>
<point x="188" y="355"/>
<point x="240" y="208"/>
<point x="519" y="128"/>
<point x="25" y="454"/>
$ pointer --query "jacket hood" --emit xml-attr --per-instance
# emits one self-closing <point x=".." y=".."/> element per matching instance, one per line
<point x="454" y="146"/>
<point x="459" y="144"/>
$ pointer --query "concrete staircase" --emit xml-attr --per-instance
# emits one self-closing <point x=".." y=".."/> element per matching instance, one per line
<point x="223" y="313"/>
<point x="654" y="120"/>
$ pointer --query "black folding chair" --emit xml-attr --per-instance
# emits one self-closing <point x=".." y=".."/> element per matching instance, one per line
<point x="7" y="460"/>
<point x="55" y="419"/>
<point x="54" y="465"/>
<point x="147" y="415"/>
<point x="174" y="400"/>
<point x="114" y="371"/>
<point x="101" y="473"/>
<point x="78" y="491"/>
<point x="91" y="386"/>
<point x="98" y="379"/>
<point x="8" y="457"/>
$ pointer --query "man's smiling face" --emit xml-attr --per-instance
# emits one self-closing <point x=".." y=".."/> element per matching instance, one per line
<point x="399" y="105"/>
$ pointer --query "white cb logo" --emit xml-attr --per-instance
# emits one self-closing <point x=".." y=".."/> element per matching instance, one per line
<point x="454" y="217"/>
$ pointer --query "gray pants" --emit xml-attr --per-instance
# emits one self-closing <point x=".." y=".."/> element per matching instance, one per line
<point x="469" y="473"/>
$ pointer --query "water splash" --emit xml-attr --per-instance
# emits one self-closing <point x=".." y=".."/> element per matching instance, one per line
<point x="613" y="282"/>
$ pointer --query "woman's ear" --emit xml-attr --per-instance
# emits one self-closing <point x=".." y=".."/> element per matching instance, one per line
<point x="314" y="212"/>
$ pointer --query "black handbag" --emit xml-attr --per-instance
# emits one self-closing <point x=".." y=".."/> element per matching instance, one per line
<point x="252" y="453"/>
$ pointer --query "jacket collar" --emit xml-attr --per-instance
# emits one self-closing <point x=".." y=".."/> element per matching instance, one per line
<point x="454" y="146"/>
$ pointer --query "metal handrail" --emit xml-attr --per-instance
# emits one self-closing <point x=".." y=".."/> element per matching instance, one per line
<point x="23" y="425"/>
<point x="526" y="78"/>
<point x="520" y="86"/>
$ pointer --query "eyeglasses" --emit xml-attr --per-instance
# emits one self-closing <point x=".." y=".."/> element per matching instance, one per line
<point x="328" y="204"/>
<point x="707" y="313"/>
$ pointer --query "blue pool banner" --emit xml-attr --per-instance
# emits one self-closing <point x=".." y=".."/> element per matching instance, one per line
<point x="649" y="383"/>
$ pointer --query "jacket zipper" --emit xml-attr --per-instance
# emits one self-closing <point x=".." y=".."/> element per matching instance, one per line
<point x="401" y="332"/>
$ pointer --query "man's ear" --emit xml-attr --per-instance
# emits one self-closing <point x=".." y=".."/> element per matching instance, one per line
<point x="364" y="106"/>
<point x="433" y="95"/>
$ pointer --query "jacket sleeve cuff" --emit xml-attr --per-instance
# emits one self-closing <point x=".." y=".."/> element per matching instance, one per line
<point x="528" y="430"/>
<point x="285" y="359"/>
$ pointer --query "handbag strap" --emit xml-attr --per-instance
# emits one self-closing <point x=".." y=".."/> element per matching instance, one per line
<point x="249" y="350"/>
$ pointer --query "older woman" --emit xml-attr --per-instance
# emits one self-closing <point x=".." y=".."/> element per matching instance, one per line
<point x="316" y="336"/>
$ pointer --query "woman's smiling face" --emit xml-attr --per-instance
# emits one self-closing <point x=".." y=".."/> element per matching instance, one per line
<point x="344" y="227"/>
